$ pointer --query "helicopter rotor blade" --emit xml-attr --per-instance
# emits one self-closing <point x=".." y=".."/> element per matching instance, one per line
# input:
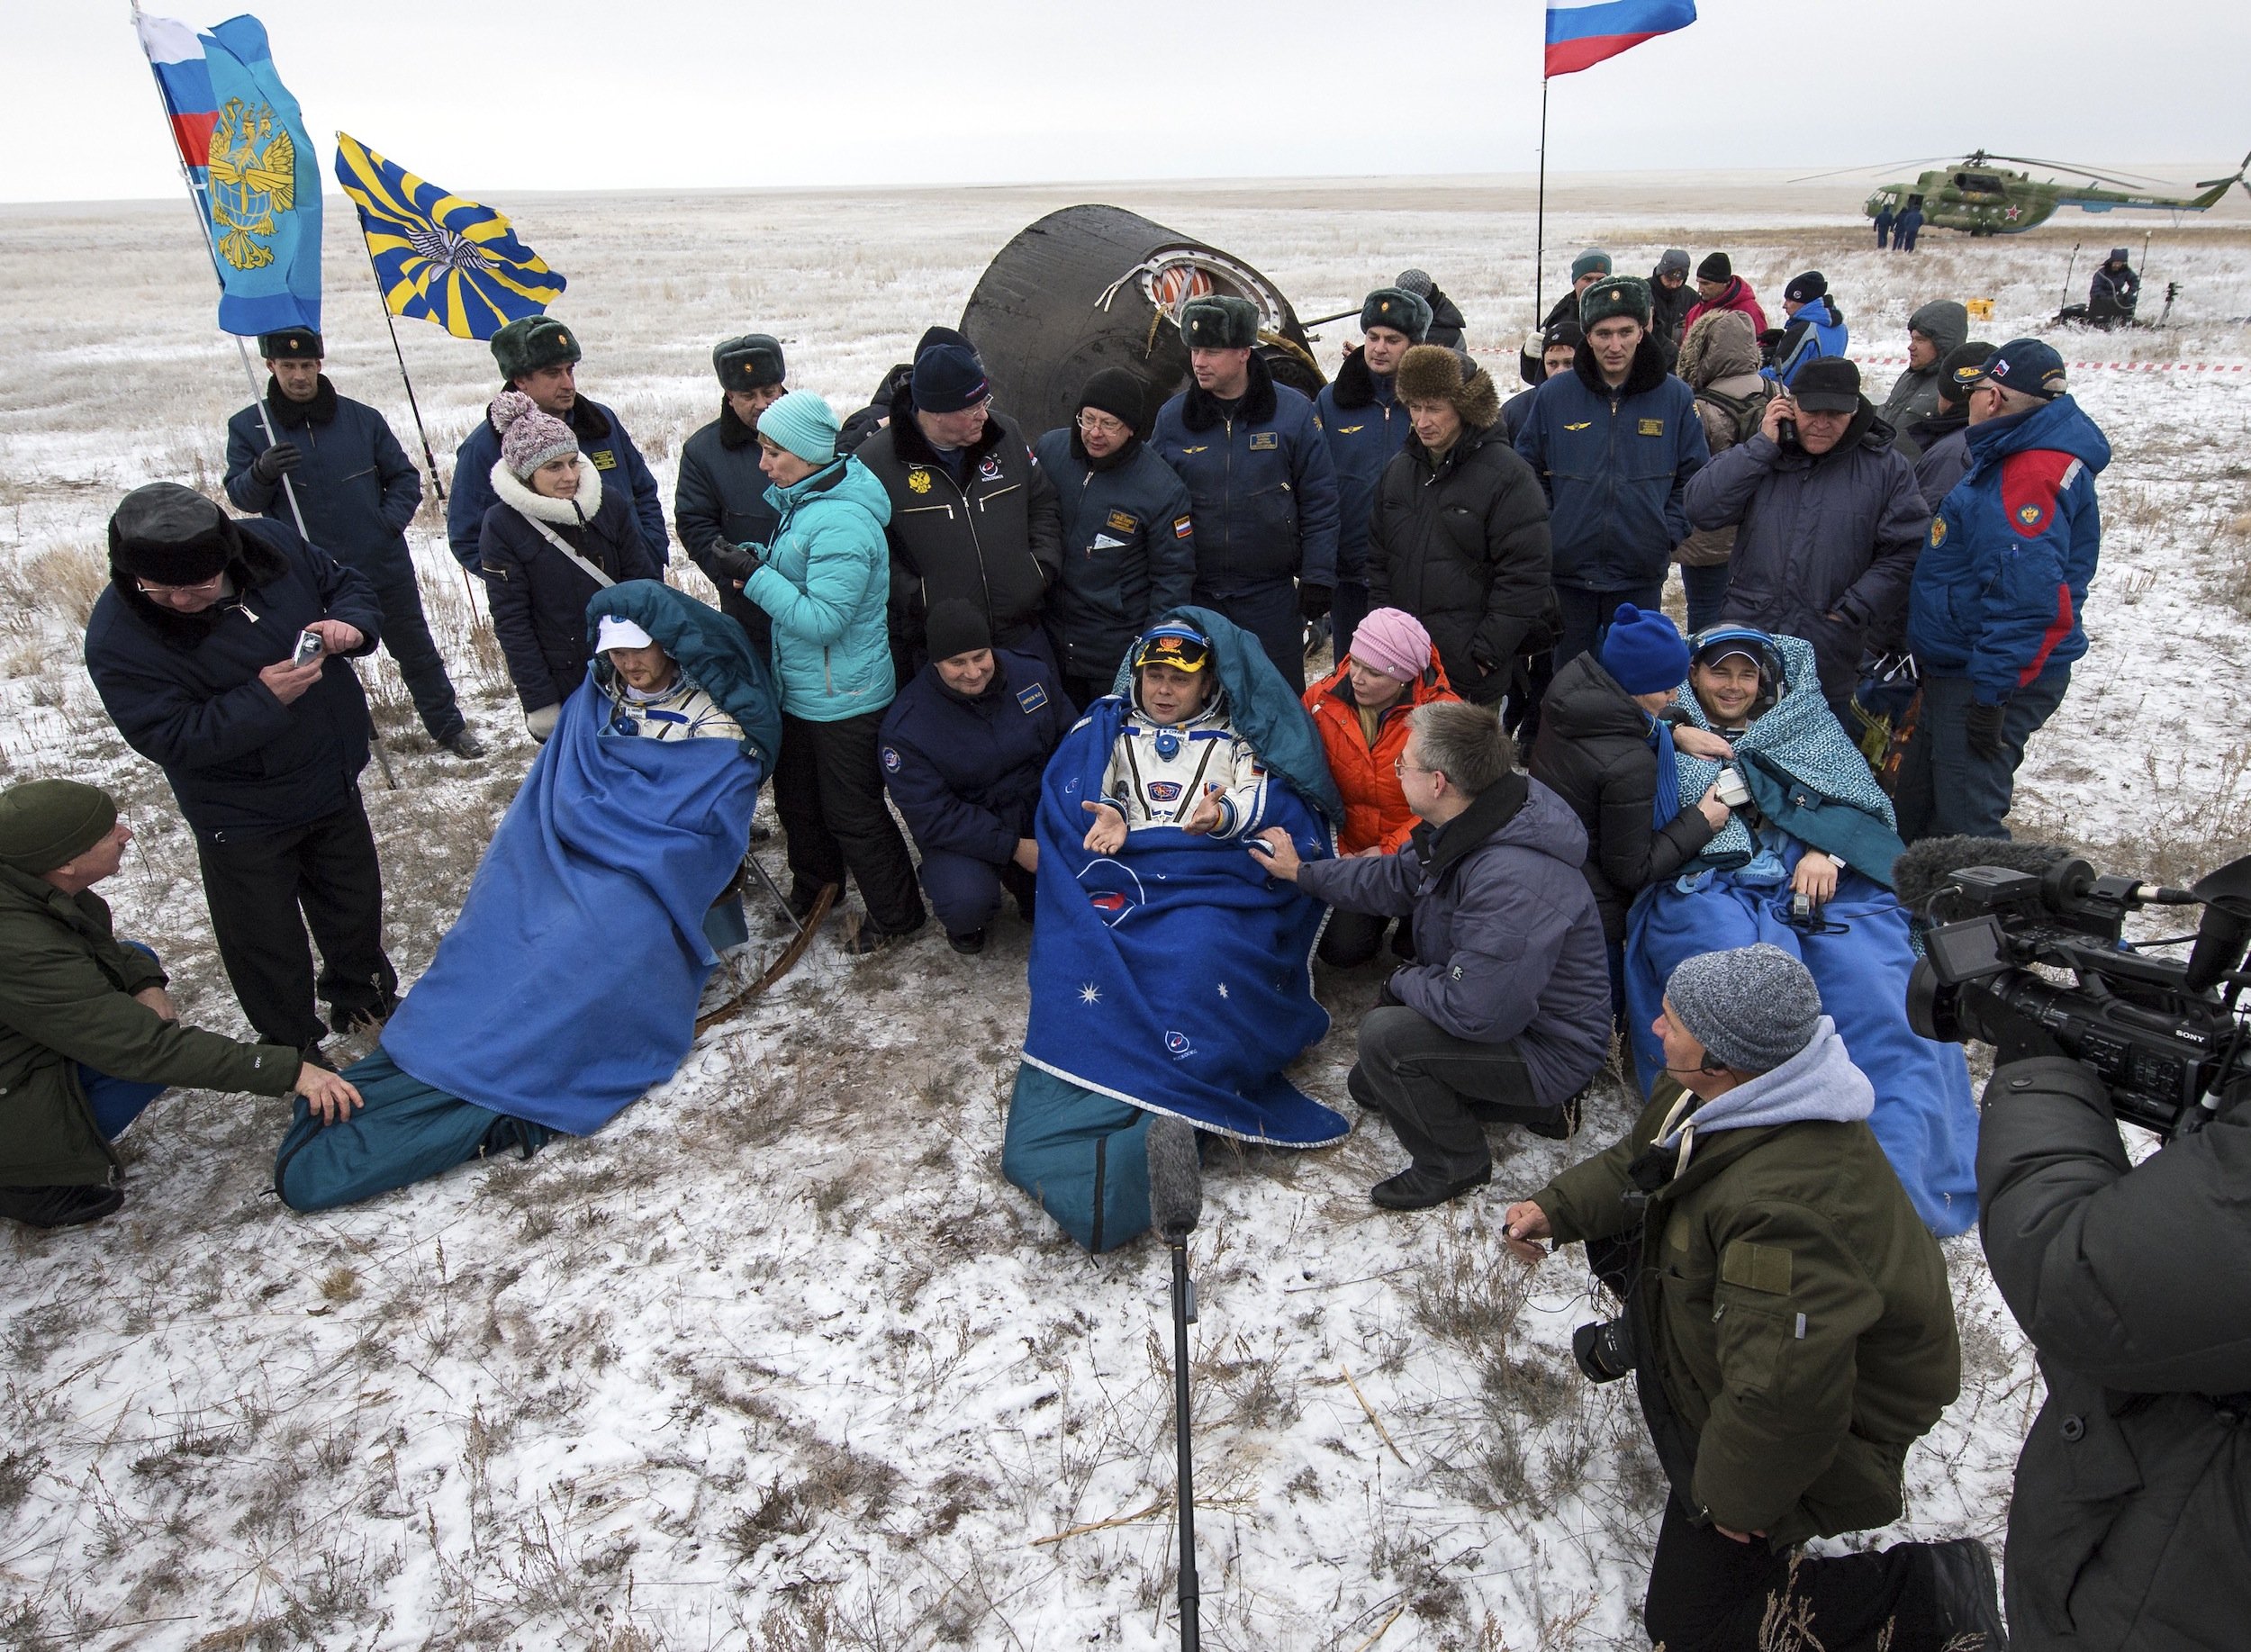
<point x="2125" y="181"/>
<point x="1881" y="166"/>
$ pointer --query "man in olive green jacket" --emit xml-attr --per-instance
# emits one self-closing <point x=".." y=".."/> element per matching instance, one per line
<point x="1788" y="1319"/>
<point x="88" y="1036"/>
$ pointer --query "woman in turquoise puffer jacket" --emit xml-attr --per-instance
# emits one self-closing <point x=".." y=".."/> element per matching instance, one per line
<point x="826" y="579"/>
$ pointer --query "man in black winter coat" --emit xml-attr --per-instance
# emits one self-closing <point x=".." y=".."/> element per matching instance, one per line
<point x="1447" y="328"/>
<point x="1598" y="748"/>
<point x="191" y="650"/>
<point x="974" y="516"/>
<point x="720" y="501"/>
<point x="1460" y="536"/>
<point x="2131" y="1523"/>
<point x="1128" y="537"/>
<point x="357" y="493"/>
<point x="1830" y="523"/>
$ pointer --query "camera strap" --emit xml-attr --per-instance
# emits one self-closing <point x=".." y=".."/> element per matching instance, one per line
<point x="556" y="540"/>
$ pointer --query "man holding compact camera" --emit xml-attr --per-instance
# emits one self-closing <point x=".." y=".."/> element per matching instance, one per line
<point x="220" y="652"/>
<point x="1788" y="1321"/>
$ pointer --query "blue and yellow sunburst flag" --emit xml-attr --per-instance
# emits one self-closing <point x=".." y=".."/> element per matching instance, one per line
<point x="441" y="257"/>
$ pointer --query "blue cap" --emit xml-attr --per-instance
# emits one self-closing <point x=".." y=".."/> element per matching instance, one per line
<point x="1716" y="643"/>
<point x="947" y="378"/>
<point x="2023" y="364"/>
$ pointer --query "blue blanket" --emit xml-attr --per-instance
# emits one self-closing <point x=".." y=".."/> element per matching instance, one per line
<point x="568" y="985"/>
<point x="1175" y="975"/>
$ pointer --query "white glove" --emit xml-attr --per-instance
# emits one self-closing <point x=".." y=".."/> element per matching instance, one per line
<point x="541" y="723"/>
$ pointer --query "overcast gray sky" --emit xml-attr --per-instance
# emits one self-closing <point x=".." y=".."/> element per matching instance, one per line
<point x="579" y="94"/>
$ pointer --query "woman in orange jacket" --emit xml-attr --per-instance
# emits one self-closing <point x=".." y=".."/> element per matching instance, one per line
<point x="1361" y="710"/>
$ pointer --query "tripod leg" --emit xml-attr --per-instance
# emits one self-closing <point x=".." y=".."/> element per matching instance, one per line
<point x="759" y="872"/>
<point x="1183" y="1298"/>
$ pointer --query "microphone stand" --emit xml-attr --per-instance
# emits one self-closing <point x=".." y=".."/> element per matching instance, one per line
<point x="1183" y="1316"/>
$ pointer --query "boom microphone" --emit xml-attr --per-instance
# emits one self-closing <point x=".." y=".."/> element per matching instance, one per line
<point x="1929" y="866"/>
<point x="1176" y="1178"/>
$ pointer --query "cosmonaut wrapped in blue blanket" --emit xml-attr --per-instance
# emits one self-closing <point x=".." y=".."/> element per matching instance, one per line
<point x="568" y="985"/>
<point x="1169" y="974"/>
<point x="1818" y="823"/>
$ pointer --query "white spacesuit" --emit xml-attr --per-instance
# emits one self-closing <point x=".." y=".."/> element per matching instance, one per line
<point x="1157" y="772"/>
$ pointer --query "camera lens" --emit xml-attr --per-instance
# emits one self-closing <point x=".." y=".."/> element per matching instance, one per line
<point x="1605" y="1351"/>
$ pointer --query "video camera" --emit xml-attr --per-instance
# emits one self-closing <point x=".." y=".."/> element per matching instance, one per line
<point x="2168" y="1038"/>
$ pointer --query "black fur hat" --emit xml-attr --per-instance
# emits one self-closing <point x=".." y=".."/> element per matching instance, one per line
<point x="748" y="363"/>
<point x="1401" y="310"/>
<point x="170" y="535"/>
<point x="1219" y="323"/>
<point x="531" y="342"/>
<point x="291" y="344"/>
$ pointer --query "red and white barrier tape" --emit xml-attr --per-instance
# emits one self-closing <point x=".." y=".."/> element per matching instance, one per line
<point x="2100" y="366"/>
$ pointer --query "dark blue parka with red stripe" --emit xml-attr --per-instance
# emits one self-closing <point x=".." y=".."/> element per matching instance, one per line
<point x="1999" y="593"/>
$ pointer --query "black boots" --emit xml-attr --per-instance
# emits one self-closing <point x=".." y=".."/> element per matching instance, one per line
<point x="59" y="1208"/>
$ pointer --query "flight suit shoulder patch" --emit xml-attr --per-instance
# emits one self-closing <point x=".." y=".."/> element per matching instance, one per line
<point x="1756" y="1268"/>
<point x="1033" y="698"/>
<point x="604" y="458"/>
<point x="1265" y="441"/>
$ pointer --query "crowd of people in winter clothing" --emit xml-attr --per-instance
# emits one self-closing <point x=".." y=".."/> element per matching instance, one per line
<point x="1062" y="660"/>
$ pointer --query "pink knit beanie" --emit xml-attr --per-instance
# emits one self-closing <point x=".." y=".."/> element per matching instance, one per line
<point x="528" y="437"/>
<point x="1394" y="643"/>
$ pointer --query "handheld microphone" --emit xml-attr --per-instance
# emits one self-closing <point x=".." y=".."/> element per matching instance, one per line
<point x="1176" y="1179"/>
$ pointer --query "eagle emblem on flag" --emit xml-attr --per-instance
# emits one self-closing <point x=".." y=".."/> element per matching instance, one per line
<point x="253" y="178"/>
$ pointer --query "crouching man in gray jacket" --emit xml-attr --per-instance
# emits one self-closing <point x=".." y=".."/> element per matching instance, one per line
<point x="1506" y="1014"/>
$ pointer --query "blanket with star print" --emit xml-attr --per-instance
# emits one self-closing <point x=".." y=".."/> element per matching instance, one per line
<point x="1175" y="975"/>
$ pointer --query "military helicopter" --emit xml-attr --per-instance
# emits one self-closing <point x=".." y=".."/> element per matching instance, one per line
<point x="1978" y="197"/>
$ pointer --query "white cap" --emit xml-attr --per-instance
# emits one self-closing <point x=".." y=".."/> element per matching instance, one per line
<point x="616" y="633"/>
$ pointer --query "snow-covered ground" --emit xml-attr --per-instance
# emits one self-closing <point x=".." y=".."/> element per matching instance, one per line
<point x="779" y="1361"/>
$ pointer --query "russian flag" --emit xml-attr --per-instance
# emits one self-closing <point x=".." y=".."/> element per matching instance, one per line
<point x="1581" y="33"/>
<point x="177" y="58"/>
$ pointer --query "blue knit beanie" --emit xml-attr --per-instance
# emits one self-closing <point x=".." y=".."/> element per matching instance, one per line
<point x="947" y="378"/>
<point x="805" y="424"/>
<point x="1645" y="652"/>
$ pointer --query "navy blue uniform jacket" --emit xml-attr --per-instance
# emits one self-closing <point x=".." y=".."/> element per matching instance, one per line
<point x="1616" y="464"/>
<point x="966" y="772"/>
<point x="1129" y="551"/>
<point x="356" y="486"/>
<point x="1261" y="485"/>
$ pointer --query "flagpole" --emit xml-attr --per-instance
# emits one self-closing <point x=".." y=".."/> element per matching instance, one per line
<point x="391" y="323"/>
<point x="1540" y="230"/>
<point x="200" y="205"/>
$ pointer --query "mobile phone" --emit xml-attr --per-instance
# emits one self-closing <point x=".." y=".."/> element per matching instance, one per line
<point x="307" y="648"/>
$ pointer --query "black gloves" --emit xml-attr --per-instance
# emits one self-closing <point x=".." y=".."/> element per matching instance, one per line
<point x="1313" y="600"/>
<point x="276" y="462"/>
<point x="1984" y="724"/>
<point x="737" y="561"/>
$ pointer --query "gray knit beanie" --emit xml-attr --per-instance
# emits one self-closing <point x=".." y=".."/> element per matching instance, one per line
<point x="1753" y="1008"/>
